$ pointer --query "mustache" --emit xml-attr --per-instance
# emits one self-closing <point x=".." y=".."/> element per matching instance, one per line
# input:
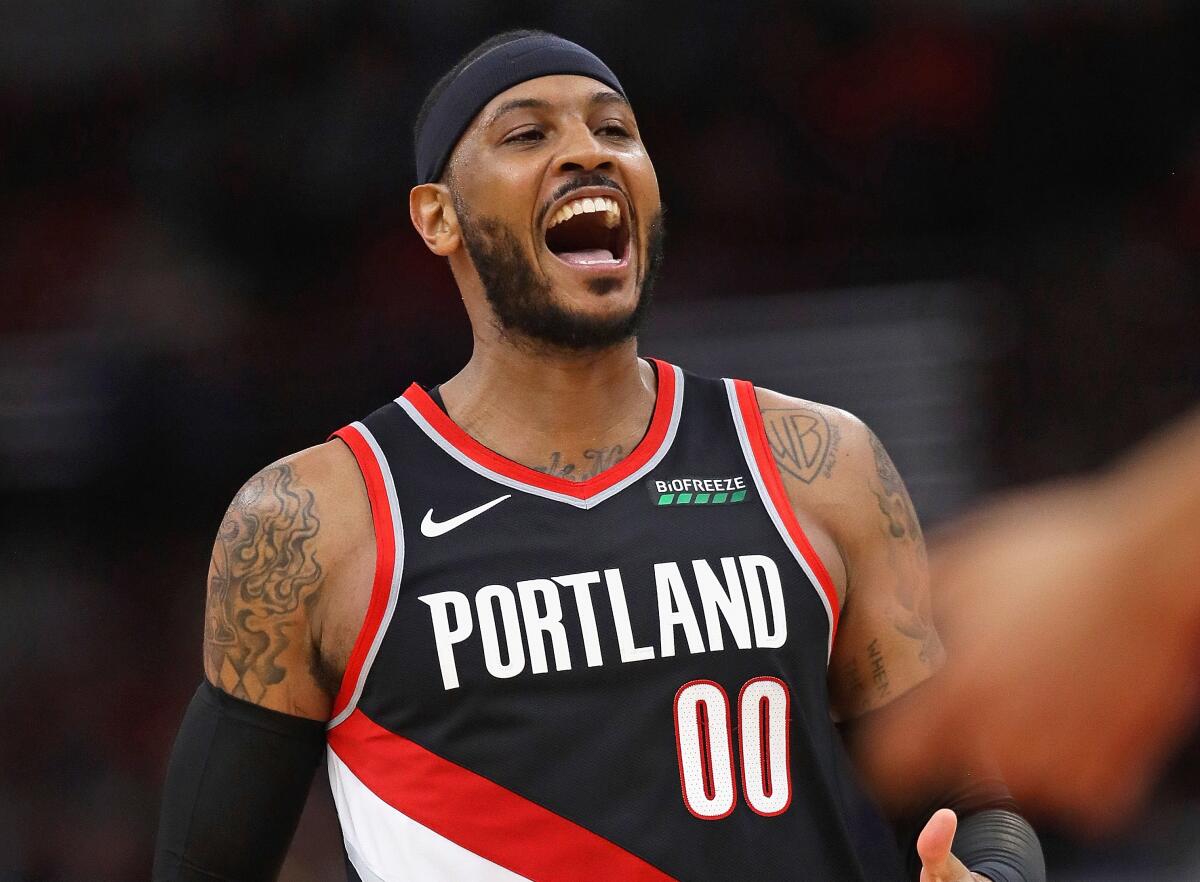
<point x="590" y="179"/>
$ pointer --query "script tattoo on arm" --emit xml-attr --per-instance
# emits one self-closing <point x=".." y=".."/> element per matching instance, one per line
<point x="879" y="675"/>
<point x="802" y="440"/>
<point x="264" y="566"/>
<point x="906" y="552"/>
<point x="598" y="459"/>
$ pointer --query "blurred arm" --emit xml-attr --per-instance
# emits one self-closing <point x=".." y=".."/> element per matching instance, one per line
<point x="1156" y="489"/>
<point x="1070" y="611"/>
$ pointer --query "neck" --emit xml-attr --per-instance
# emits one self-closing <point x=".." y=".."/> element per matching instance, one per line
<point x="567" y="413"/>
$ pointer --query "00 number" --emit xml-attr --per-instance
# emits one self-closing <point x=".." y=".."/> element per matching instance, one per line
<point x="704" y="745"/>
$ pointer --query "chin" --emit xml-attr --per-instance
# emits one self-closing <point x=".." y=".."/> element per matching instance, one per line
<point x="601" y="297"/>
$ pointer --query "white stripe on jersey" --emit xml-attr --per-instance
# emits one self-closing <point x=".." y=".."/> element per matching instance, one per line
<point x="397" y="572"/>
<point x="385" y="845"/>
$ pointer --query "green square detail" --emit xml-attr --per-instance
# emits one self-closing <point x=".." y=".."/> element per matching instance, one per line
<point x="738" y="496"/>
<point x="666" y="499"/>
<point x="684" y="498"/>
<point x="720" y="498"/>
<point x="702" y="498"/>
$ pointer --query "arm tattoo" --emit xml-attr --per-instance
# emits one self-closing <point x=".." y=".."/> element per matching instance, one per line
<point x="914" y="617"/>
<point x="915" y="613"/>
<point x="864" y="686"/>
<point x="803" y="441"/>
<point x="894" y="502"/>
<point x="599" y="459"/>
<point x="879" y="675"/>
<point x="264" y="566"/>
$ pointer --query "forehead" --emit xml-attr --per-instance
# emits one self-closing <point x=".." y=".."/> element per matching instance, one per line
<point x="563" y="92"/>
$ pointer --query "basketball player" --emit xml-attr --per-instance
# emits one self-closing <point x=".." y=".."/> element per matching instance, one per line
<point x="572" y="614"/>
<point x="1071" y="611"/>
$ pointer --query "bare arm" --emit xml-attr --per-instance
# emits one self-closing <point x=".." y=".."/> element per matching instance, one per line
<point x="887" y="627"/>
<point x="288" y="586"/>
<point x="263" y="580"/>
<point x="854" y="506"/>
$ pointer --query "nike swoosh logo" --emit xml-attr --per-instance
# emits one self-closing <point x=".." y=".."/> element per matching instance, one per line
<point x="432" y="528"/>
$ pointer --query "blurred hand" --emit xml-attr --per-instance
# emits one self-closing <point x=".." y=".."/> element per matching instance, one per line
<point x="938" y="863"/>
<point x="1071" y="657"/>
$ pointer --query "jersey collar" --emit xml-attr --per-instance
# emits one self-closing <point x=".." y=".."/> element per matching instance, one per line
<point x="447" y="434"/>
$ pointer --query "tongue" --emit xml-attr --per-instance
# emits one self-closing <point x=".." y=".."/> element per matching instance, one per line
<point x="587" y="257"/>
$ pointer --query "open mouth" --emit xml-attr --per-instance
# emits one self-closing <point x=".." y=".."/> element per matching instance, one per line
<point x="589" y="231"/>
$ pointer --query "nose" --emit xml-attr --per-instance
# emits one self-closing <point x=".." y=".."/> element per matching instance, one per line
<point x="583" y="152"/>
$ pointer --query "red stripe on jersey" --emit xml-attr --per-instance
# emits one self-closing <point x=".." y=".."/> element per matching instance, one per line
<point x="385" y="561"/>
<point x="479" y="814"/>
<point x="649" y="445"/>
<point x="757" y="433"/>
<point x="764" y="738"/>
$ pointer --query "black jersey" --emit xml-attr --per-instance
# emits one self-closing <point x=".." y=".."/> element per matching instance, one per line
<point x="621" y="678"/>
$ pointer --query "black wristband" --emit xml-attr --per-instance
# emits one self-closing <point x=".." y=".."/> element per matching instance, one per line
<point x="236" y="784"/>
<point x="1001" y="845"/>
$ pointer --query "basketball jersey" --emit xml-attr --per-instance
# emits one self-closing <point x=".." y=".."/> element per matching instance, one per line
<point x="621" y="678"/>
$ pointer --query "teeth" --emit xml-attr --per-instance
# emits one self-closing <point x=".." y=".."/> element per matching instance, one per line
<point x="612" y="214"/>
<point x="612" y="211"/>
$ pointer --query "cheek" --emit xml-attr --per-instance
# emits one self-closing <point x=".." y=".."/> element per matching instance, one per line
<point x="507" y="195"/>
<point x="513" y="190"/>
<point x="643" y="184"/>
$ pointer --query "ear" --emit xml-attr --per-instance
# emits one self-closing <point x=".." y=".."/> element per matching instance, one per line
<point x="432" y="211"/>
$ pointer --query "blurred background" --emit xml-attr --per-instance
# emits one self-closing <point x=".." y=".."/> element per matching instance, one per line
<point x="976" y="224"/>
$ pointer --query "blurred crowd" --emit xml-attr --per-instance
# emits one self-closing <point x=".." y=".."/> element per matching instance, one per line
<point x="206" y="262"/>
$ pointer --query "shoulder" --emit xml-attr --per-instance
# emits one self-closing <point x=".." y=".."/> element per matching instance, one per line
<point x="311" y="505"/>
<point x="816" y="445"/>
<point x="834" y="466"/>
<point x="316" y="493"/>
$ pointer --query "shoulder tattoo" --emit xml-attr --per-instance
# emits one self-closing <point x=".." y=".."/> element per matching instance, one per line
<point x="802" y="440"/>
<point x="264" y="566"/>
<point x="913" y="616"/>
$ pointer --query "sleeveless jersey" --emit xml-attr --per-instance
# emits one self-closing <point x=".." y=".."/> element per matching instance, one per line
<point x="622" y="678"/>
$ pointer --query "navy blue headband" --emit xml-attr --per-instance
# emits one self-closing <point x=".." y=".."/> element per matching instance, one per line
<point x="500" y="68"/>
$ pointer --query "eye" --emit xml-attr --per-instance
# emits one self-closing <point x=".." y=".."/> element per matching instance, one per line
<point x="525" y="136"/>
<point x="615" y="129"/>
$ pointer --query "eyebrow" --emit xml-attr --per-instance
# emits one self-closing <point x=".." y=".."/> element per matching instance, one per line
<point x="608" y="98"/>
<point x="597" y="98"/>
<point x="517" y="104"/>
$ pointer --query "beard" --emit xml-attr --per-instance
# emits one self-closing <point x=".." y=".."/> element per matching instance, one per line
<point x="523" y="299"/>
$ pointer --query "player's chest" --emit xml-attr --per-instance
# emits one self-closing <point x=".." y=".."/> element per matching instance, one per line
<point x="529" y="592"/>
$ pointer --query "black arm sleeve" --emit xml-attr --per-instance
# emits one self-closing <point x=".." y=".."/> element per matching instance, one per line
<point x="236" y="784"/>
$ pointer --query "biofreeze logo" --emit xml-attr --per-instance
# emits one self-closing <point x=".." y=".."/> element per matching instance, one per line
<point x="697" y="491"/>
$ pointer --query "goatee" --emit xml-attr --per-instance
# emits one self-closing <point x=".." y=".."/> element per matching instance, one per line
<point x="523" y="300"/>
